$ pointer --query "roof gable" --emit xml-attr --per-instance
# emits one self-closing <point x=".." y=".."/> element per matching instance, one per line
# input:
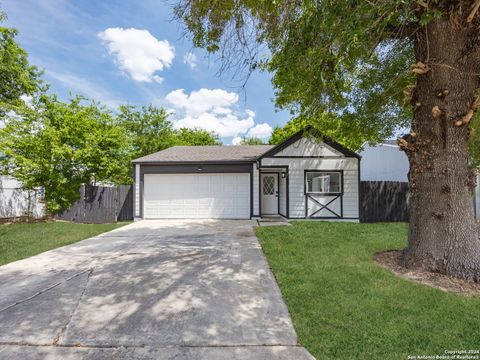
<point x="307" y="147"/>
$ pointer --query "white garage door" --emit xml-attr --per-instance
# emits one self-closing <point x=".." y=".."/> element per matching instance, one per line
<point x="217" y="196"/>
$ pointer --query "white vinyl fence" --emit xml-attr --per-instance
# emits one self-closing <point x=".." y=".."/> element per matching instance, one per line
<point x="17" y="203"/>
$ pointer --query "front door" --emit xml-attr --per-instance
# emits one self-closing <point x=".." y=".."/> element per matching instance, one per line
<point x="269" y="188"/>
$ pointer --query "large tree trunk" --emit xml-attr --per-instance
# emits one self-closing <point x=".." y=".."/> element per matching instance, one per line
<point x="443" y="231"/>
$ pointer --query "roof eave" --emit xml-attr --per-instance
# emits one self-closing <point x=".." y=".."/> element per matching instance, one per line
<point x="159" y="162"/>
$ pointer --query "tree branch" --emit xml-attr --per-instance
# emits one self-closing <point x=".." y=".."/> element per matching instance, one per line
<point x="476" y="6"/>
<point x="401" y="32"/>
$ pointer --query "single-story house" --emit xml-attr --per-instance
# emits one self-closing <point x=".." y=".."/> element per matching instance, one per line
<point x="301" y="178"/>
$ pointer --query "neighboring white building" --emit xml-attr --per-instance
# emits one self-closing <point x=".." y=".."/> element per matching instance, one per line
<point x="386" y="162"/>
<point x="15" y="202"/>
<point x="383" y="162"/>
<point x="298" y="179"/>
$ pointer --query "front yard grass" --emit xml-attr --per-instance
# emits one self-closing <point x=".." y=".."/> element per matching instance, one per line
<point x="18" y="241"/>
<point x="344" y="306"/>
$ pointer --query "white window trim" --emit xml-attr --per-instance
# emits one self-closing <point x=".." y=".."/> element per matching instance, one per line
<point x="324" y="172"/>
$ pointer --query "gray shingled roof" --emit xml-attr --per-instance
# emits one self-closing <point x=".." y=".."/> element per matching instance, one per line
<point x="206" y="153"/>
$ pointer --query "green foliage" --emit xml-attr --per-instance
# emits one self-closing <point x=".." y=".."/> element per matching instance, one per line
<point x="474" y="144"/>
<point x="345" y="57"/>
<point x="19" y="241"/>
<point x="281" y="134"/>
<point x="61" y="145"/>
<point x="150" y="130"/>
<point x="327" y="124"/>
<point x="195" y="137"/>
<point x="17" y="76"/>
<point x="148" y="127"/>
<point x="251" y="141"/>
<point x="345" y="306"/>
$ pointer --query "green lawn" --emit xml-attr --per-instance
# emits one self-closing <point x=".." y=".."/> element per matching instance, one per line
<point x="18" y="241"/>
<point x="344" y="306"/>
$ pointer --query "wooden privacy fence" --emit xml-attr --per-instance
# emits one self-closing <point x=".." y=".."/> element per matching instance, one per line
<point x="383" y="201"/>
<point x="101" y="204"/>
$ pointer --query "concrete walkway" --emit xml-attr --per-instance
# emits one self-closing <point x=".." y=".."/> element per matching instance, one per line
<point x="151" y="290"/>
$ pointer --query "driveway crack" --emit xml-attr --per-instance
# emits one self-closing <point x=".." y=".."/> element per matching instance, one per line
<point x="64" y="328"/>
<point x="45" y="290"/>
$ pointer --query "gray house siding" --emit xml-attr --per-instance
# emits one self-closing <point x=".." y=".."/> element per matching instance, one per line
<point x="298" y="157"/>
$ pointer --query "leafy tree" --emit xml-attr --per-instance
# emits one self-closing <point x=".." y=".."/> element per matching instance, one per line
<point x="62" y="145"/>
<point x="329" y="125"/>
<point x="281" y="134"/>
<point x="150" y="130"/>
<point x="148" y="127"/>
<point x="251" y="141"/>
<point x="17" y="76"/>
<point x="380" y="66"/>
<point x="195" y="137"/>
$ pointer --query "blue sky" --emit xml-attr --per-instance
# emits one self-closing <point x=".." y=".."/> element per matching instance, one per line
<point x="133" y="52"/>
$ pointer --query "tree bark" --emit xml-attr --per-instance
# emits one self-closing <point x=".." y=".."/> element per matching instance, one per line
<point x="443" y="233"/>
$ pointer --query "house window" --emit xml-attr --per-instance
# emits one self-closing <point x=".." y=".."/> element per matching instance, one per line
<point x="268" y="185"/>
<point x="323" y="182"/>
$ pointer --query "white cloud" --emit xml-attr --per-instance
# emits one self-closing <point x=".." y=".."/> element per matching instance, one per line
<point x="138" y="53"/>
<point x="210" y="109"/>
<point x="190" y="59"/>
<point x="225" y="127"/>
<point x="236" y="140"/>
<point x="261" y="131"/>
<point x="203" y="100"/>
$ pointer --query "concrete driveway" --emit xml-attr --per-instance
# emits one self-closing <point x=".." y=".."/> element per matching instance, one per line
<point x="150" y="290"/>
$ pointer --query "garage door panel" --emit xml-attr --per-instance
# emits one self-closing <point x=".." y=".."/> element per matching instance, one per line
<point x="203" y="180"/>
<point x="243" y="202"/>
<point x="191" y="201"/>
<point x="197" y="196"/>
<point x="204" y="201"/>
<point x="242" y="188"/>
<point x="189" y="212"/>
<point x="203" y="188"/>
